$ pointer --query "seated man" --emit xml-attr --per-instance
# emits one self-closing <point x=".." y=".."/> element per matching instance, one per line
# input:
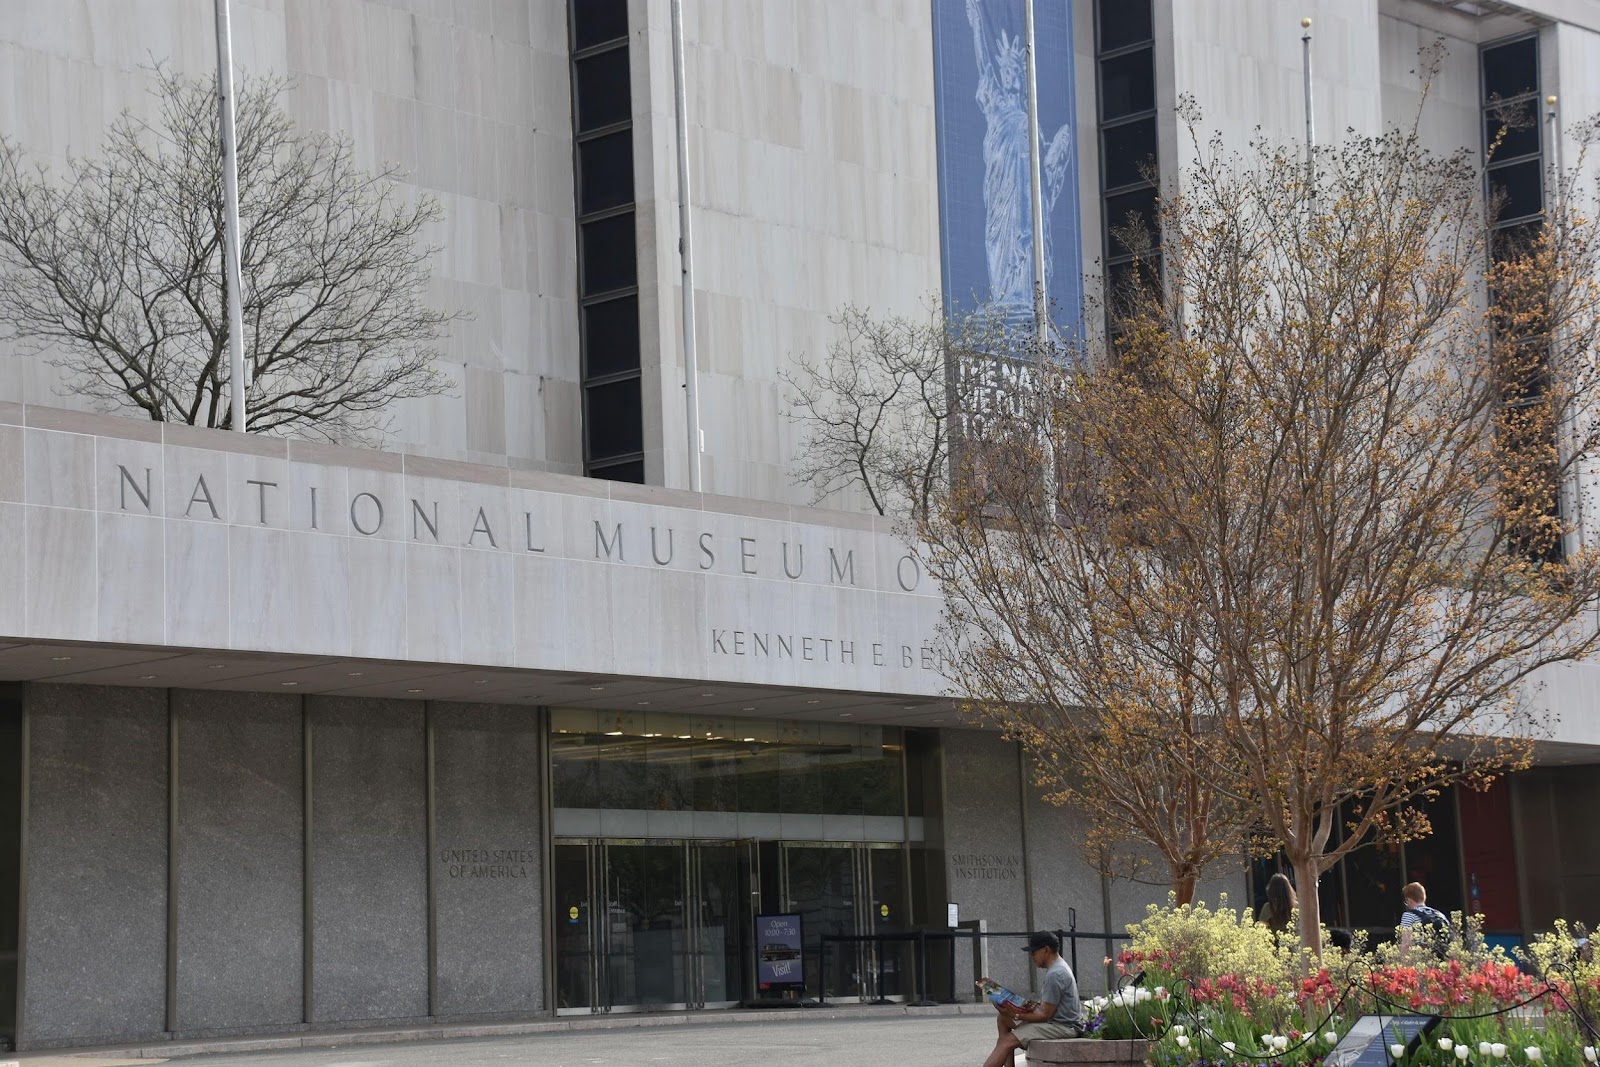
<point x="1058" y="1014"/>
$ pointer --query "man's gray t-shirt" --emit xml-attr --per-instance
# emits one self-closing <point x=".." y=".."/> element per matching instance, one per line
<point x="1061" y="989"/>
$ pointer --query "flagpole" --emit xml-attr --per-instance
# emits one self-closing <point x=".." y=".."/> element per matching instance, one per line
<point x="1041" y="320"/>
<point x="1035" y="183"/>
<point x="691" y="365"/>
<point x="230" y="217"/>
<point x="1311" y="121"/>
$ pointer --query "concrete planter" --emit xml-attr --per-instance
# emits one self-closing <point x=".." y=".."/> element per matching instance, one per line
<point x="1088" y="1052"/>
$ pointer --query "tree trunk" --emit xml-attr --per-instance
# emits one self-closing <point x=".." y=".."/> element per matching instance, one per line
<point x="1183" y="882"/>
<point x="1306" y="891"/>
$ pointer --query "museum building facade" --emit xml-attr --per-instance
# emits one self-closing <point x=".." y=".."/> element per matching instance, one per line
<point x="502" y="721"/>
<point x="317" y="737"/>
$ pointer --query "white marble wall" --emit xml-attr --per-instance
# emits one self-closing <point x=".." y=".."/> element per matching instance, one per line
<point x="1450" y="119"/>
<point x="1242" y="60"/>
<point x="469" y="96"/>
<point x="216" y="540"/>
<point x="812" y="144"/>
<point x="815" y="184"/>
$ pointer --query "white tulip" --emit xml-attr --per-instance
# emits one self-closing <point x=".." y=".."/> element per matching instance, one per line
<point x="1533" y="1053"/>
<point x="1331" y="1037"/>
<point x="1397" y="1051"/>
<point x="1183" y="1040"/>
<point x="1145" y="994"/>
<point x="1445" y="1044"/>
<point x="1484" y="1047"/>
<point x="1178" y="1028"/>
<point x="1280" y="1042"/>
<point x="1462" y="1052"/>
<point x="1228" y="1047"/>
<point x="1497" y="1050"/>
<point x="1591" y="1054"/>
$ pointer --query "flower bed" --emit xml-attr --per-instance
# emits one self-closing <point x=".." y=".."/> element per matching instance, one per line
<point x="1220" y="990"/>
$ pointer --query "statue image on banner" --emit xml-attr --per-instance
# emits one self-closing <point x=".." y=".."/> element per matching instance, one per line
<point x="1008" y="231"/>
<point x="986" y="248"/>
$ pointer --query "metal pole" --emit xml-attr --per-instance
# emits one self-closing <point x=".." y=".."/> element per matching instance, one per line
<point x="1578" y="539"/>
<point x="230" y="217"/>
<point x="1311" y="122"/>
<point x="923" y="1000"/>
<point x="1027" y="870"/>
<point x="1072" y="927"/>
<point x="1035" y="184"/>
<point x="1554" y="118"/>
<point x="1041" y="318"/>
<point x="691" y="367"/>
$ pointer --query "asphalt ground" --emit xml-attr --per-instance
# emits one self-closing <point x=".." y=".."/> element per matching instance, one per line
<point x="926" y="1041"/>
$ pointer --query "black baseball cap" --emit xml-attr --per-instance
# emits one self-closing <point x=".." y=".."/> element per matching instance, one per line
<point x="1043" y="939"/>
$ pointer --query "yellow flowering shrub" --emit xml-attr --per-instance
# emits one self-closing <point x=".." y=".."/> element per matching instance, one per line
<point x="1195" y="942"/>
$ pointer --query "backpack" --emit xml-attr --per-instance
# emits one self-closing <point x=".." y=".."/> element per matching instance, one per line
<point x="1437" y="927"/>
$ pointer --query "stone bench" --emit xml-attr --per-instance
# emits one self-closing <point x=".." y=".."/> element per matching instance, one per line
<point x="1087" y="1052"/>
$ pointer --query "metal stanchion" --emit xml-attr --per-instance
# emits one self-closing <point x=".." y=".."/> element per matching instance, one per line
<point x="877" y="951"/>
<point x="1072" y="927"/>
<point x="923" y="1001"/>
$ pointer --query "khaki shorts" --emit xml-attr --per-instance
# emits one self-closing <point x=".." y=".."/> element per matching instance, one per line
<point x="1027" y="1033"/>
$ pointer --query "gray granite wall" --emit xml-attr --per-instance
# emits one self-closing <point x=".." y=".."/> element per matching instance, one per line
<point x="95" y="956"/>
<point x="240" y="915"/>
<point x="96" y="879"/>
<point x="1062" y="880"/>
<point x="487" y="867"/>
<point x="983" y="845"/>
<point x="369" y="931"/>
<point x="10" y="848"/>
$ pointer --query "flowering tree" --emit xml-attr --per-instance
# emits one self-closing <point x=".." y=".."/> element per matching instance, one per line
<point x="1311" y="524"/>
<point x="1279" y="563"/>
<point x="894" y="405"/>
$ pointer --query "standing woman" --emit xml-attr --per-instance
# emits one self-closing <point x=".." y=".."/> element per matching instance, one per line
<point x="1277" y="912"/>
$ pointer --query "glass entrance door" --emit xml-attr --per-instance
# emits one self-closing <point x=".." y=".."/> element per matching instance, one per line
<point x="667" y="924"/>
<point x="646" y="927"/>
<point x="576" y="927"/>
<point x="648" y="924"/>
<point x="851" y="890"/>
<point x="820" y="884"/>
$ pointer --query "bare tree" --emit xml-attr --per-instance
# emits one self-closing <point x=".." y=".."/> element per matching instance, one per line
<point x="119" y="267"/>
<point x="884" y="410"/>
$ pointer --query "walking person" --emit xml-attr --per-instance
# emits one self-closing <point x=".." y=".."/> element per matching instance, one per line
<point x="1419" y="919"/>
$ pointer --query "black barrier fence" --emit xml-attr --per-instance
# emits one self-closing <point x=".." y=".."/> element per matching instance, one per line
<point x="919" y="939"/>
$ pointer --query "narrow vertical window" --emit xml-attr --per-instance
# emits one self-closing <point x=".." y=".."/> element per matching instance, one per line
<point x="608" y="257"/>
<point x="1514" y="178"/>
<point x="1125" y="76"/>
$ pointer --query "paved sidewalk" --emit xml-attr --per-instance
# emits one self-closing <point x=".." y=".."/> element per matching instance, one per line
<point x="934" y="1041"/>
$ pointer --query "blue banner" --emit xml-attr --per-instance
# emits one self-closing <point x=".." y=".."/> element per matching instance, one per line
<point x="985" y="211"/>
